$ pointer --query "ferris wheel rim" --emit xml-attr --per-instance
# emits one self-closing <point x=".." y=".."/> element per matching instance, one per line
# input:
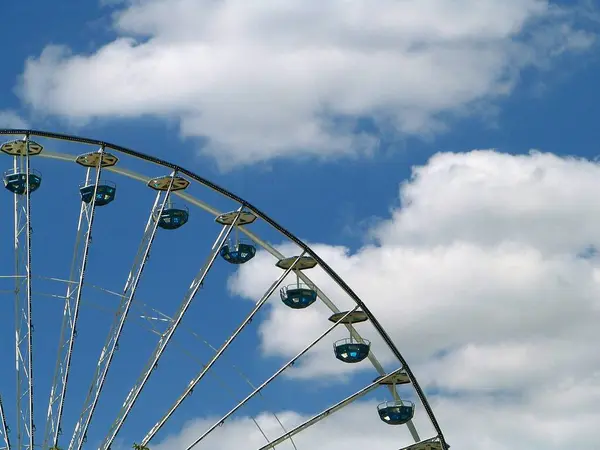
<point x="244" y="204"/>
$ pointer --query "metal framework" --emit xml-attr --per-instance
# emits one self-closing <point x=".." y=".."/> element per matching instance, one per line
<point x="24" y="345"/>
<point x="108" y="351"/>
<point x="3" y="429"/>
<point x="23" y="316"/>
<point x="329" y="411"/>
<point x="188" y="390"/>
<point x="268" y="381"/>
<point x="167" y="335"/>
<point x="68" y="331"/>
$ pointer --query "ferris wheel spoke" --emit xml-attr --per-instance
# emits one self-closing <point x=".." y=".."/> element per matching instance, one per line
<point x="21" y="180"/>
<point x="329" y="411"/>
<point x="165" y="338"/>
<point x="156" y="428"/>
<point x="334" y="309"/>
<point x="356" y="335"/>
<point x="271" y="378"/>
<point x="68" y="331"/>
<point x="149" y="324"/>
<point x="3" y="428"/>
<point x="151" y="315"/>
<point x="80" y="432"/>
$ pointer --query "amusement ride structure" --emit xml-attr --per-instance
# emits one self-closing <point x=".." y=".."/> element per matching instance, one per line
<point x="67" y="401"/>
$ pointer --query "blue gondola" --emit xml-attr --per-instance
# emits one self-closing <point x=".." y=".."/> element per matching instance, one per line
<point x="104" y="194"/>
<point x="396" y="412"/>
<point x="238" y="251"/>
<point x="15" y="180"/>
<point x="351" y="351"/>
<point x="172" y="217"/>
<point x="298" y="296"/>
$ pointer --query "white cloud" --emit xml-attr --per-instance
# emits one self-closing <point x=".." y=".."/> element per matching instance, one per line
<point x="271" y="79"/>
<point x="479" y="279"/>
<point x="561" y="417"/>
<point x="10" y="119"/>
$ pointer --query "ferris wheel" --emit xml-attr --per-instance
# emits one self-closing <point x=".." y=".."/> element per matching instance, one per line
<point x="86" y="351"/>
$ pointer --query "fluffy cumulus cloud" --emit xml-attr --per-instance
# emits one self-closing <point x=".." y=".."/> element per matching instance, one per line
<point x="486" y="275"/>
<point x="10" y="119"/>
<point x="267" y="79"/>
<point x="563" y="416"/>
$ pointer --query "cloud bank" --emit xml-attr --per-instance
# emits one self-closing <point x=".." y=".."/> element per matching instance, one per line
<point x="264" y="80"/>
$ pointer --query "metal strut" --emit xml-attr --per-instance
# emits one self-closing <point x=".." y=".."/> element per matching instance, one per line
<point x="23" y="320"/>
<point x="168" y="334"/>
<point x="68" y="330"/>
<point x="4" y="429"/>
<point x="270" y="379"/>
<point x="217" y="355"/>
<point x="327" y="412"/>
<point x="110" y="346"/>
<point x="356" y="335"/>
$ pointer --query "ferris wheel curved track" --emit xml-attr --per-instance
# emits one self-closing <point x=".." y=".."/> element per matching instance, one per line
<point x="394" y="412"/>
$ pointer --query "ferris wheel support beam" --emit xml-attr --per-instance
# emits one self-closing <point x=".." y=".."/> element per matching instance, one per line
<point x="68" y="331"/>
<point x="155" y="429"/>
<point x="203" y="181"/>
<point x="270" y="249"/>
<point x="166" y="336"/>
<point x="23" y="318"/>
<point x="4" y="428"/>
<point x="310" y="422"/>
<point x="356" y="335"/>
<point x="111" y="344"/>
<point x="269" y="380"/>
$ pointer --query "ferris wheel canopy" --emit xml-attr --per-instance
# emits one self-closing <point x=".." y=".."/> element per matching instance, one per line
<point x="168" y="181"/>
<point x="21" y="147"/>
<point x="93" y="159"/>
<point x="299" y="263"/>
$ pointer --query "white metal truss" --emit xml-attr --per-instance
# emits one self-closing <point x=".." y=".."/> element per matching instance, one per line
<point x="168" y="334"/>
<point x="270" y="379"/>
<point x="152" y="315"/>
<point x="68" y="330"/>
<point x="355" y="335"/>
<point x="326" y="413"/>
<point x="23" y="320"/>
<point x="3" y="429"/>
<point x="217" y="355"/>
<point x="269" y="248"/>
<point x="80" y="432"/>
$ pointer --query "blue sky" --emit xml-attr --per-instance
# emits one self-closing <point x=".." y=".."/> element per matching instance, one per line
<point x="355" y="126"/>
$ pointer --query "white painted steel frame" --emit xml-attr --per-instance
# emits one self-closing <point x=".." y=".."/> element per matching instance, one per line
<point x="188" y="390"/>
<point x="23" y="314"/>
<point x="68" y="331"/>
<point x="326" y="413"/>
<point x="269" y="380"/>
<point x="111" y="344"/>
<point x="161" y="317"/>
<point x="168" y="334"/>
<point x="274" y="252"/>
<point x="3" y="429"/>
<point x="255" y="238"/>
